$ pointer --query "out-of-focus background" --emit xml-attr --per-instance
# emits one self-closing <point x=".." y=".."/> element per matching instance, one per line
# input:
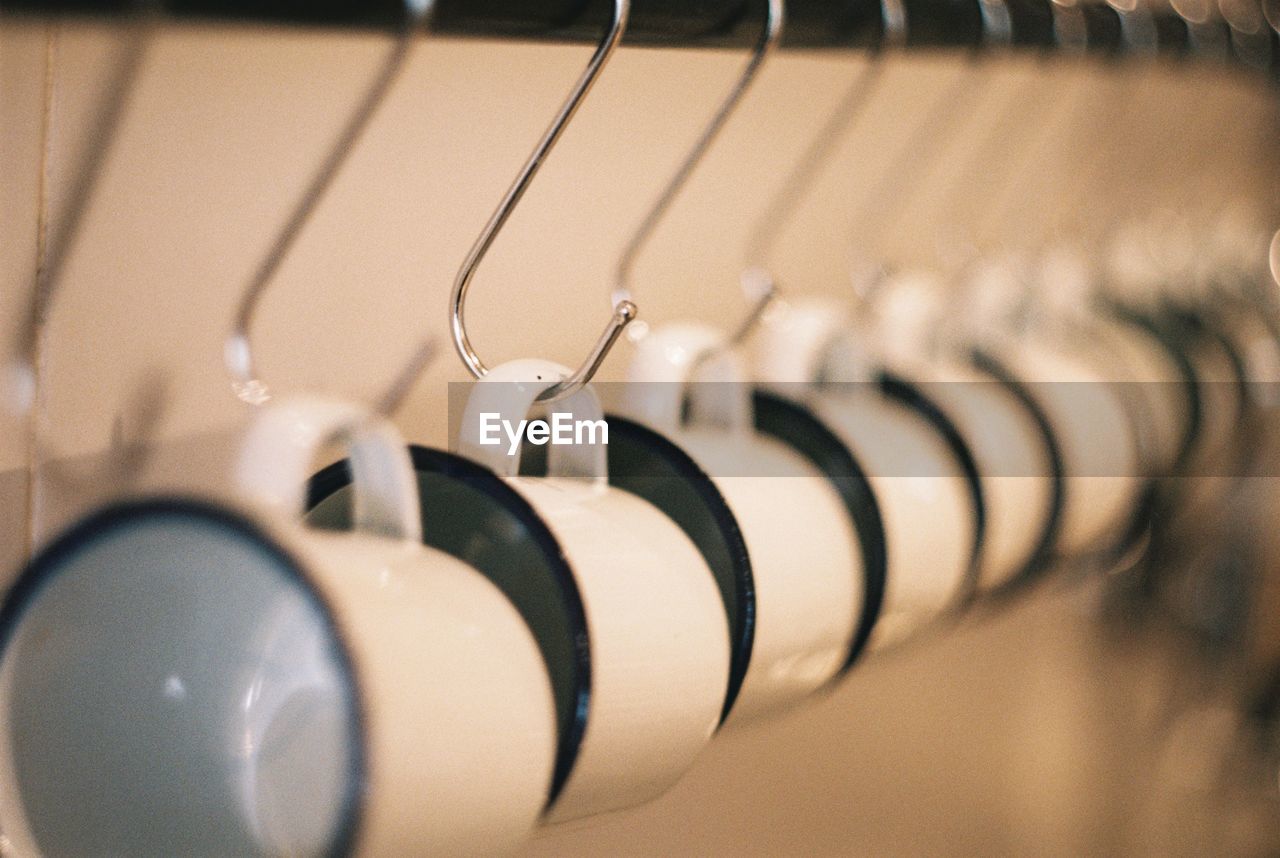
<point x="1049" y="727"/>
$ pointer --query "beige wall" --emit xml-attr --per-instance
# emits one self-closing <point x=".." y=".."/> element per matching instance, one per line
<point x="1008" y="737"/>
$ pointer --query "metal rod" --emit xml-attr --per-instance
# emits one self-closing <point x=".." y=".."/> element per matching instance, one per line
<point x="667" y="23"/>
<point x="823" y="24"/>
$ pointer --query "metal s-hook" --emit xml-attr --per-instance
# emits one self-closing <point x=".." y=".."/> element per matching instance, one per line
<point x="800" y="181"/>
<point x="625" y="311"/>
<point x="764" y="285"/>
<point x="22" y="375"/>
<point x="758" y="282"/>
<point x="246" y="382"/>
<point x="885" y="201"/>
<point x="997" y="159"/>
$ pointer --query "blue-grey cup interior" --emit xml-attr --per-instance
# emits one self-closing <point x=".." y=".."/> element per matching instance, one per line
<point x="172" y="685"/>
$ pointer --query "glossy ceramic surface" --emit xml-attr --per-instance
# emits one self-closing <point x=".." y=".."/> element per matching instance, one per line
<point x="805" y="555"/>
<point x="658" y="631"/>
<point x="183" y="678"/>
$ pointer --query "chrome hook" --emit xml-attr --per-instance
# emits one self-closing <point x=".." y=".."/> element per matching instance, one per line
<point x="887" y="199"/>
<point x="803" y="175"/>
<point x="757" y="278"/>
<point x="621" y="293"/>
<point x="21" y="384"/>
<point x="246" y="382"/>
<point x="23" y="372"/>
<point x="625" y="311"/>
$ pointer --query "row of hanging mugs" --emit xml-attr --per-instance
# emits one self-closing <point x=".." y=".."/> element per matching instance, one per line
<point x="427" y="651"/>
<point x="417" y="650"/>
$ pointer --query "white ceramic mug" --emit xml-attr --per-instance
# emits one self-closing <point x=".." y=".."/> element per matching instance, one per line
<point x="1255" y="336"/>
<point x="923" y="496"/>
<point x="1013" y="458"/>
<point x="1153" y="386"/>
<point x="185" y="677"/>
<point x="1096" y="434"/>
<point x="805" y="556"/>
<point x="1147" y="377"/>
<point x="1011" y="453"/>
<point x="659" y="637"/>
<point x="1210" y="475"/>
<point x="1259" y="346"/>
<point x="1142" y="280"/>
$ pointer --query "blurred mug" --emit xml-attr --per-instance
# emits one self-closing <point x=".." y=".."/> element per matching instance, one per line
<point x="930" y="520"/>
<point x="184" y="677"/>
<point x="1096" y="434"/>
<point x="1014" y="457"/>
<point x="1015" y="460"/>
<point x="805" y="555"/>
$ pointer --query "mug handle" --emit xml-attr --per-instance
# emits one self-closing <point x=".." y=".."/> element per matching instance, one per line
<point x="799" y="340"/>
<point x="505" y="395"/>
<point x="283" y="439"/>
<point x="665" y="363"/>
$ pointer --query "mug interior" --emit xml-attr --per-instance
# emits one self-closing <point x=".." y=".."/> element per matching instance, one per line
<point x="791" y="423"/>
<point x="472" y="514"/>
<point x="172" y="684"/>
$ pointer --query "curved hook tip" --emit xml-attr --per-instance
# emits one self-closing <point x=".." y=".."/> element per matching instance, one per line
<point x="19" y="388"/>
<point x="625" y="313"/>
<point x="237" y="356"/>
<point x="761" y="290"/>
<point x="758" y="284"/>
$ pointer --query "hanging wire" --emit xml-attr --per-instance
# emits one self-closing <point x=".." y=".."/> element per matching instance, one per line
<point x="1098" y="173"/>
<point x="59" y="235"/>
<point x="1085" y="124"/>
<point x="997" y="160"/>
<point x="758" y="282"/>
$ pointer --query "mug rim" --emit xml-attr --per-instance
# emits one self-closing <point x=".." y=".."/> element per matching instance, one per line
<point x="1206" y="326"/>
<point x="45" y="564"/>
<point x="1160" y="327"/>
<point x="1043" y="555"/>
<point x="1171" y="332"/>
<point x="742" y="644"/>
<point x="1217" y="326"/>
<point x="900" y="389"/>
<point x="862" y="508"/>
<point x="460" y="469"/>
